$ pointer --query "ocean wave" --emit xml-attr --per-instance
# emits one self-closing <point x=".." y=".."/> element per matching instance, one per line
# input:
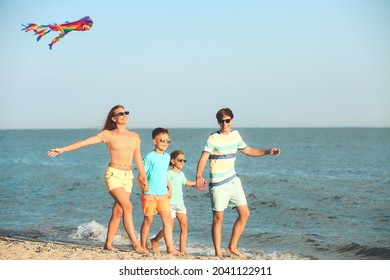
<point x="95" y="232"/>
<point x="29" y="234"/>
<point x="364" y="252"/>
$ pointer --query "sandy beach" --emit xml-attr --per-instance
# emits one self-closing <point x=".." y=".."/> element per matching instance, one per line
<point x="12" y="248"/>
<point x="80" y="261"/>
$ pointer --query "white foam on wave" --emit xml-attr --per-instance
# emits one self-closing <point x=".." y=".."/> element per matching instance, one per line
<point x="204" y="250"/>
<point x="286" y="256"/>
<point x="96" y="232"/>
<point x="200" y="249"/>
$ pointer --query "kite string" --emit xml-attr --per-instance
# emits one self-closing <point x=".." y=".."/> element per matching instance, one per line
<point x="187" y="163"/>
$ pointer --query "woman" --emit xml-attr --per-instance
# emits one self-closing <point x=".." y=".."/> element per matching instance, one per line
<point x="124" y="145"/>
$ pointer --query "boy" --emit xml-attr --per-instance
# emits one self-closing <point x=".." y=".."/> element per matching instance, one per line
<point x="156" y="195"/>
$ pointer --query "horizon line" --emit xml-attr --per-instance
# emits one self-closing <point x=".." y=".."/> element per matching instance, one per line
<point x="238" y="127"/>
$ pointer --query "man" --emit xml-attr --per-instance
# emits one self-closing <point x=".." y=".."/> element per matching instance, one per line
<point x="225" y="187"/>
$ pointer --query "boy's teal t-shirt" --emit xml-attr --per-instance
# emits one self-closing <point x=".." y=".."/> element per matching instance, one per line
<point x="156" y="166"/>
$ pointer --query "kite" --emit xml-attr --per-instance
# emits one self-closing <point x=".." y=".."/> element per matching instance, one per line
<point x="41" y="30"/>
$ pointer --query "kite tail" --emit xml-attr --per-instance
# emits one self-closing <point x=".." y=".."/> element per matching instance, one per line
<point x="29" y="27"/>
<point x="41" y="33"/>
<point x="32" y="26"/>
<point x="56" y="39"/>
<point x="38" y="29"/>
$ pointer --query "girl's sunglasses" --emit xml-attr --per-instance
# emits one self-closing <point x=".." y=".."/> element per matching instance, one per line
<point x="182" y="160"/>
<point x="120" y="114"/>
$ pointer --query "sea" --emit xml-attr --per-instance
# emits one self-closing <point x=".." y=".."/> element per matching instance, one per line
<point x="326" y="197"/>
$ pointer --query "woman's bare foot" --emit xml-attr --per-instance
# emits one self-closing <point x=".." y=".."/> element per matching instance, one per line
<point x="231" y="251"/>
<point x="108" y="247"/>
<point x="155" y="248"/>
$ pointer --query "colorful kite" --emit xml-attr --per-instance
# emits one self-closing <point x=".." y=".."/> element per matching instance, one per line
<point x="41" y="30"/>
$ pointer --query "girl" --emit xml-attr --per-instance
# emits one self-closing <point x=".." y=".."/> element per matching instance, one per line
<point x="123" y="145"/>
<point x="177" y="180"/>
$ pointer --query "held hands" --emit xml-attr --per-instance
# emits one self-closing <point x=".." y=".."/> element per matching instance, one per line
<point x="201" y="184"/>
<point x="55" y="152"/>
<point x="169" y="188"/>
<point x="143" y="184"/>
<point x="274" y="151"/>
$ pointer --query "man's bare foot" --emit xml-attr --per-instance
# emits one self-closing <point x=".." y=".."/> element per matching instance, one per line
<point x="184" y="253"/>
<point x="218" y="254"/>
<point x="235" y="252"/>
<point x="155" y="248"/>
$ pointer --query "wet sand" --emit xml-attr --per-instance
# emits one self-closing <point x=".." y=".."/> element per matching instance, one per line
<point x="12" y="248"/>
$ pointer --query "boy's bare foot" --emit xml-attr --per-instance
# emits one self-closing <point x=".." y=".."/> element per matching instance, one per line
<point x="147" y="250"/>
<point x="155" y="248"/>
<point x="138" y="249"/>
<point x="174" y="252"/>
<point x="235" y="252"/>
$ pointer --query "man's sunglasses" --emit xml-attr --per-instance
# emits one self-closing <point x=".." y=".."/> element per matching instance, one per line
<point x="120" y="114"/>
<point x="225" y="121"/>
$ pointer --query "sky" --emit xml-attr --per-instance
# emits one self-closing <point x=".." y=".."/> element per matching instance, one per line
<point x="175" y="63"/>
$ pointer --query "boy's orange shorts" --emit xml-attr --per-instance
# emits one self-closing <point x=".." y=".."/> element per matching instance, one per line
<point x="152" y="204"/>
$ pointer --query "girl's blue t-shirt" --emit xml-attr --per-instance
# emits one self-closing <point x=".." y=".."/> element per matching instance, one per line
<point x="177" y="180"/>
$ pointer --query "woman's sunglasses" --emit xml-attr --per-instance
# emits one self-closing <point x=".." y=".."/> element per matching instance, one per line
<point x="182" y="160"/>
<point x="120" y="114"/>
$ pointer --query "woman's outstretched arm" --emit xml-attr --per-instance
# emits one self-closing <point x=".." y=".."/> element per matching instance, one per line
<point x="77" y="145"/>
